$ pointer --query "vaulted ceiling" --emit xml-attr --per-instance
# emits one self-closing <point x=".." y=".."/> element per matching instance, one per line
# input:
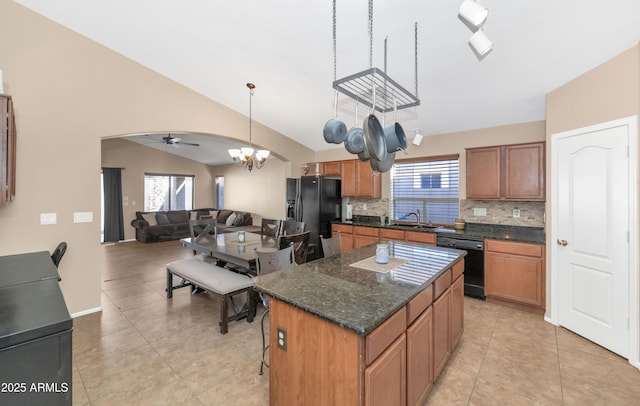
<point x="285" y="47"/>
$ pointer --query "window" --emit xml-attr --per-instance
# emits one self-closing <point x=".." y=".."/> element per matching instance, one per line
<point x="220" y="192"/>
<point x="168" y="192"/>
<point x="428" y="185"/>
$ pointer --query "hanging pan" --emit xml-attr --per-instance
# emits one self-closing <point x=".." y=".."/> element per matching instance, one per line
<point x="374" y="140"/>
<point x="385" y="165"/>
<point x="354" y="143"/>
<point x="394" y="134"/>
<point x="335" y="131"/>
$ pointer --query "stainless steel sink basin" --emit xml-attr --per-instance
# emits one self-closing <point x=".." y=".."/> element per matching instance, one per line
<point x="412" y="226"/>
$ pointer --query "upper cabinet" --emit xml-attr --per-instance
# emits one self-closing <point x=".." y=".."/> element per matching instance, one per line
<point x="508" y="172"/>
<point x="358" y="179"/>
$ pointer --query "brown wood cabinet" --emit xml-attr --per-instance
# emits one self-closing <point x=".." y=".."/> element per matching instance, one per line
<point x="364" y="236"/>
<point x="358" y="179"/>
<point x="392" y="235"/>
<point x="346" y="236"/>
<point x="441" y="315"/>
<point x="507" y="172"/>
<point x="331" y="168"/>
<point x="420" y="358"/>
<point x="515" y="272"/>
<point x="420" y="237"/>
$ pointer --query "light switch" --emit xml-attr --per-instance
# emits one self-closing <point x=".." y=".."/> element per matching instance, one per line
<point x="48" y="218"/>
<point x="83" y="217"/>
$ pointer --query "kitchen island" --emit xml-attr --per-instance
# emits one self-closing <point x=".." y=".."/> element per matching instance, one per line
<point x="351" y="335"/>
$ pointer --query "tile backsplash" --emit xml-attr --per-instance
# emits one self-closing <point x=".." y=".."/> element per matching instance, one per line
<point x="501" y="212"/>
<point x="497" y="212"/>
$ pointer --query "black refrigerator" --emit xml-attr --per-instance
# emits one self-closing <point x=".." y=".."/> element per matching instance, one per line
<point x="316" y="201"/>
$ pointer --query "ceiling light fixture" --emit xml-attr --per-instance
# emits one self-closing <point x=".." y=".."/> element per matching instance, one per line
<point x="245" y="157"/>
<point x="473" y="15"/>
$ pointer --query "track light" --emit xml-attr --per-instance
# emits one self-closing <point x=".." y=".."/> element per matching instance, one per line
<point x="480" y="43"/>
<point x="472" y="14"/>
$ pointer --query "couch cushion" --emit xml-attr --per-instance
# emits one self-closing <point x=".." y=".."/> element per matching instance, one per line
<point x="223" y="215"/>
<point x="231" y="219"/>
<point x="239" y="219"/>
<point x="178" y="217"/>
<point x="162" y="219"/>
<point x="150" y="218"/>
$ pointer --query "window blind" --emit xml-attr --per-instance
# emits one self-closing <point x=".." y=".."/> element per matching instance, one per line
<point x="168" y="192"/>
<point x="428" y="185"/>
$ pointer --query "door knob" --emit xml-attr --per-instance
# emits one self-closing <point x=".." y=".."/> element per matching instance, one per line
<point x="562" y="242"/>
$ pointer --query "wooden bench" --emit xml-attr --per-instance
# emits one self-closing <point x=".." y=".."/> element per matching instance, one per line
<point x="220" y="281"/>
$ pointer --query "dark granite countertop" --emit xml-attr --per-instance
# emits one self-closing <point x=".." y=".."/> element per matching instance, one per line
<point x="533" y="235"/>
<point x="354" y="298"/>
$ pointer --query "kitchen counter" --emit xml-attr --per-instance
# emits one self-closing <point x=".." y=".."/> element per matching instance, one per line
<point x="533" y="235"/>
<point x="354" y="298"/>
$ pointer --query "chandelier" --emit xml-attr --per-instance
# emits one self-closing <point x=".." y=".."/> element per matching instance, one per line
<point x="247" y="157"/>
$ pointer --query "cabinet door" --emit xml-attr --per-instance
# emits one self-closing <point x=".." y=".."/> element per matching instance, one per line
<point x="348" y="176"/>
<point x="457" y="311"/>
<point x="331" y="168"/>
<point x="346" y="236"/>
<point x="483" y="173"/>
<point x="420" y="358"/>
<point x="441" y="349"/>
<point x="367" y="184"/>
<point x="516" y="278"/>
<point x="423" y="238"/>
<point x="524" y="172"/>
<point x="385" y="379"/>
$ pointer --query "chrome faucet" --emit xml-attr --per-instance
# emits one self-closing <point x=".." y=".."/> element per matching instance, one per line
<point x="415" y="213"/>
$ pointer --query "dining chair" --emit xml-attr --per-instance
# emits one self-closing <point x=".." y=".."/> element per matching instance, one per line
<point x="292" y="227"/>
<point x="58" y="253"/>
<point x="270" y="227"/>
<point x="299" y="243"/>
<point x="331" y="246"/>
<point x="202" y="227"/>
<point x="268" y="262"/>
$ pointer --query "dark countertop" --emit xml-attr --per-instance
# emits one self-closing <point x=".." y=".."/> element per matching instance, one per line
<point x="354" y="298"/>
<point x="533" y="235"/>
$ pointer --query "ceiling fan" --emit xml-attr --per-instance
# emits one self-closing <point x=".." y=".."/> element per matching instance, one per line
<point x="169" y="140"/>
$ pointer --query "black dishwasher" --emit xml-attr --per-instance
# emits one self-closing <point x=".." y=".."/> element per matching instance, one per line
<point x="473" y="262"/>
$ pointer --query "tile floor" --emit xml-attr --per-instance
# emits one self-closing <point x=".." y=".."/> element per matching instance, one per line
<point x="144" y="349"/>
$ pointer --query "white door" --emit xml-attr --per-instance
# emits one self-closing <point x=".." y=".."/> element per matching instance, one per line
<point x="592" y="234"/>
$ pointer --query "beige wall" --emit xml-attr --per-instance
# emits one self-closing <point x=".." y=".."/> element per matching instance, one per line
<point x="69" y="93"/>
<point x="608" y="92"/>
<point x="137" y="160"/>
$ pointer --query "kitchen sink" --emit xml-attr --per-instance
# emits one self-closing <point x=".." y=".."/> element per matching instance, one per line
<point x="412" y="226"/>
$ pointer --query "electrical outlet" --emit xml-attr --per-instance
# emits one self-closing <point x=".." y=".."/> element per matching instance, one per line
<point x="364" y="206"/>
<point x="282" y="338"/>
<point x="516" y="213"/>
<point x="48" y="218"/>
<point x="479" y="211"/>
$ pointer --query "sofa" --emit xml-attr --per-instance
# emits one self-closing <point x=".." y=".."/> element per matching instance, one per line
<point x="174" y="224"/>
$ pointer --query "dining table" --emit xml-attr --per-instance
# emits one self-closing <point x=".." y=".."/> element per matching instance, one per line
<point x="228" y="248"/>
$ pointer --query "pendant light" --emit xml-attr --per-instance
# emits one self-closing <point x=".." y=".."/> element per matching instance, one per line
<point x="247" y="157"/>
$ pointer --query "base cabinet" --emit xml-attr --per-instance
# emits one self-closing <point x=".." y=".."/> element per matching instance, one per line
<point x="514" y="272"/>
<point x="385" y="379"/>
<point x="441" y="315"/>
<point x="420" y="358"/>
<point x="346" y="236"/>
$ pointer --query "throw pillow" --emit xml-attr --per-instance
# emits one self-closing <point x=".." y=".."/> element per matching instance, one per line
<point x="231" y="219"/>
<point x="193" y="215"/>
<point x="162" y="219"/>
<point x="150" y="218"/>
<point x="213" y="214"/>
<point x="239" y="220"/>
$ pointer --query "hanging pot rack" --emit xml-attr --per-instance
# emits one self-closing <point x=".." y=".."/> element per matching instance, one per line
<point x="373" y="87"/>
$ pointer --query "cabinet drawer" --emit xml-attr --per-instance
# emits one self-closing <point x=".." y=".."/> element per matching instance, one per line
<point x="386" y="333"/>
<point x="442" y="283"/>
<point x="457" y="269"/>
<point x="342" y="228"/>
<point x="419" y="303"/>
<point x="425" y="238"/>
<point x="370" y="231"/>
<point x="517" y="248"/>
<point x="386" y="234"/>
